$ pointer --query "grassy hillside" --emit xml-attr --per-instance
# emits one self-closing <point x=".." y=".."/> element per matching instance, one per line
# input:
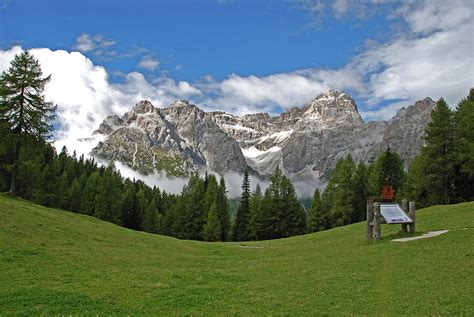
<point x="54" y="261"/>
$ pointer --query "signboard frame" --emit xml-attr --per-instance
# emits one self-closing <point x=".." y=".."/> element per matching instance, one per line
<point x="392" y="213"/>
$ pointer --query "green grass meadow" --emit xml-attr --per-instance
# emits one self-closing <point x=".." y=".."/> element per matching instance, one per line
<point x="56" y="262"/>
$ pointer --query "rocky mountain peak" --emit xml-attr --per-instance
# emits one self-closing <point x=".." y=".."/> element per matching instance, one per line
<point x="332" y="99"/>
<point x="425" y="104"/>
<point x="180" y="110"/>
<point x="180" y="103"/>
<point x="143" y="106"/>
<point x="331" y="109"/>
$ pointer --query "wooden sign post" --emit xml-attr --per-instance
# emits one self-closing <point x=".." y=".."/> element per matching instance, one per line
<point x="412" y="215"/>
<point x="369" y="232"/>
<point x="405" y="209"/>
<point x="389" y="213"/>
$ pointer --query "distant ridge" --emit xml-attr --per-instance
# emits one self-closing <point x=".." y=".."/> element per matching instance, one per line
<point x="304" y="142"/>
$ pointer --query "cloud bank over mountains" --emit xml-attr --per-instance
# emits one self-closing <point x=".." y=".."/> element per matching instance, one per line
<point x="431" y="55"/>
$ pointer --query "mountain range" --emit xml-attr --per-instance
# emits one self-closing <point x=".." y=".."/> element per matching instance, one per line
<point x="305" y="142"/>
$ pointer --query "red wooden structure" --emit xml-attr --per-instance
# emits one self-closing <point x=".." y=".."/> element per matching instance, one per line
<point x="388" y="193"/>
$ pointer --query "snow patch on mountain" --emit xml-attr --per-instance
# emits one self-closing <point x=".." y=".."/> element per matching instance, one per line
<point x="276" y="137"/>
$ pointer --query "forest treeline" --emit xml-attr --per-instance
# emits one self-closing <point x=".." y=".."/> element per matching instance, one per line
<point x="442" y="173"/>
<point x="199" y="212"/>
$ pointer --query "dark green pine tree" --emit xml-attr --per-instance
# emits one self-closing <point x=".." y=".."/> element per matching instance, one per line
<point x="31" y="167"/>
<point x="177" y="221"/>
<point x="142" y="204"/>
<point x="89" y="193"/>
<point x="387" y="169"/>
<point x="293" y="214"/>
<point x="77" y="200"/>
<point x="464" y="167"/>
<point x="210" y="183"/>
<point x="241" y="230"/>
<point x="212" y="230"/>
<point x="223" y="209"/>
<point x="272" y="204"/>
<point x="50" y="189"/>
<point x="23" y="108"/>
<point x="391" y="170"/>
<point x="361" y="191"/>
<point x="188" y="212"/>
<point x="315" y="214"/>
<point x="416" y="186"/>
<point x="153" y="217"/>
<point x="108" y="202"/>
<point x="268" y="221"/>
<point x="169" y="203"/>
<point x="440" y="153"/>
<point x="129" y="205"/>
<point x="195" y="210"/>
<point x="339" y="196"/>
<point x="6" y="157"/>
<point x="75" y="193"/>
<point x="255" y="206"/>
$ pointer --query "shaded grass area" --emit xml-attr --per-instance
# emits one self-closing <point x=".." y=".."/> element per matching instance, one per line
<point x="57" y="262"/>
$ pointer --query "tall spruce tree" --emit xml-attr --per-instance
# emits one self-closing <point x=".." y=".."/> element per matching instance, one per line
<point x="89" y="193"/>
<point x="267" y="225"/>
<point x="223" y="209"/>
<point x="188" y="215"/>
<point x="339" y="195"/>
<point x="292" y="216"/>
<point x="316" y="221"/>
<point x="153" y="214"/>
<point x="281" y="214"/>
<point x="129" y="205"/>
<point x="441" y="151"/>
<point x="387" y="169"/>
<point x="108" y="198"/>
<point x="211" y="186"/>
<point x="212" y="230"/>
<point x="416" y="186"/>
<point x="360" y="188"/>
<point x="23" y="108"/>
<point x="241" y="230"/>
<point x="255" y="207"/>
<point x="464" y="167"/>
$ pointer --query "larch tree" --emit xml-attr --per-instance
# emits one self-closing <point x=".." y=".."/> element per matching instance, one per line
<point x="24" y="112"/>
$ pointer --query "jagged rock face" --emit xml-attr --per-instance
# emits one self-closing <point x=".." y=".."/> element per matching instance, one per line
<point x="304" y="142"/>
<point x="220" y="152"/>
<point x="178" y="140"/>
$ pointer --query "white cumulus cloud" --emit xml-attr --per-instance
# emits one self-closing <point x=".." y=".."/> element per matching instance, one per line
<point x="85" y="95"/>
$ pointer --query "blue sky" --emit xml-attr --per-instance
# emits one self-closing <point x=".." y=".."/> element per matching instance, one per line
<point x="192" y="39"/>
<point x="240" y="56"/>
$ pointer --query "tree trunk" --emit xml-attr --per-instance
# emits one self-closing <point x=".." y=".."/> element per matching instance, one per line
<point x="16" y="154"/>
<point x="15" y="168"/>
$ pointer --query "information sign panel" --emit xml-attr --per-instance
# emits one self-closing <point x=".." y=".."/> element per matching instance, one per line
<point x="393" y="214"/>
